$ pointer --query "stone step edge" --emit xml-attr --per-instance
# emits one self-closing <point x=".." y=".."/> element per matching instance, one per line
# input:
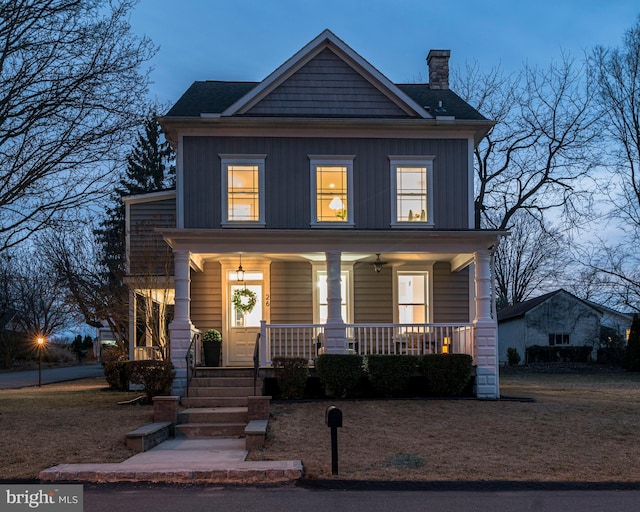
<point x="229" y="473"/>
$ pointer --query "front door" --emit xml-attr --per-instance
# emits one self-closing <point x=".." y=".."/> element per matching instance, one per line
<point x="244" y="326"/>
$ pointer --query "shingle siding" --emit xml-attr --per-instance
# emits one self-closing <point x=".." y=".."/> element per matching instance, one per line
<point x="326" y="86"/>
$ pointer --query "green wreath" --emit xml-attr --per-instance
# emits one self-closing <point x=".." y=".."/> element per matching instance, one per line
<point x="244" y="300"/>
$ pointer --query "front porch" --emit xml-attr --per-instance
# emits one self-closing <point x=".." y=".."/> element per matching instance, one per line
<point x="432" y="295"/>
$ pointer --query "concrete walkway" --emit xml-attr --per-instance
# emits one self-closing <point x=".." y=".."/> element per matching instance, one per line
<point x="29" y="378"/>
<point x="182" y="460"/>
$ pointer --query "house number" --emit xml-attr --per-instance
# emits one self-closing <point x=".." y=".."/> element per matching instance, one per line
<point x="267" y="300"/>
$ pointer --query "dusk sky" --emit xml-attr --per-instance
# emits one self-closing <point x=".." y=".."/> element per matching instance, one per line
<point x="247" y="39"/>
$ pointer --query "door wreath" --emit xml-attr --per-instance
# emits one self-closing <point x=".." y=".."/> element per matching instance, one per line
<point x="244" y="300"/>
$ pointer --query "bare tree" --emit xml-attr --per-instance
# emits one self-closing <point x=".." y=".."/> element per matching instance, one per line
<point x="618" y="79"/>
<point x="538" y="152"/>
<point x="74" y="257"/>
<point x="36" y="295"/>
<point x="72" y="90"/>
<point x="532" y="258"/>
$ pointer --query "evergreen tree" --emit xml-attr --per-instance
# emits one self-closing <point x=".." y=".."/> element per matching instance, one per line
<point x="150" y="168"/>
<point x="631" y="360"/>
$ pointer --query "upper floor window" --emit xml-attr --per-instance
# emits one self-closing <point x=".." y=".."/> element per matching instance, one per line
<point x="243" y="190"/>
<point x="559" y="339"/>
<point x="332" y="190"/>
<point x="411" y="186"/>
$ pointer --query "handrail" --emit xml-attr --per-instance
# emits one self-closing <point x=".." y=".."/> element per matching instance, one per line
<point x="191" y="359"/>
<point x="256" y="363"/>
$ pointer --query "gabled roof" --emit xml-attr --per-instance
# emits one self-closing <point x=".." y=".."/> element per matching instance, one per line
<point x="520" y="309"/>
<point x="241" y="99"/>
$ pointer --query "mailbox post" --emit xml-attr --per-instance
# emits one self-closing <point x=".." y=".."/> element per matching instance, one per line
<point x="333" y="419"/>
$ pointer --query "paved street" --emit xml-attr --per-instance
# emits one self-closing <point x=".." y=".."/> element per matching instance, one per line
<point x="207" y="498"/>
<point x="14" y="380"/>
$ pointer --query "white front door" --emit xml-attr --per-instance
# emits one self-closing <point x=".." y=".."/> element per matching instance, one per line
<point x="243" y="327"/>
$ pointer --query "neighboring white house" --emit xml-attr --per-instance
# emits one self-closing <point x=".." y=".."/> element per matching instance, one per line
<point x="558" y="318"/>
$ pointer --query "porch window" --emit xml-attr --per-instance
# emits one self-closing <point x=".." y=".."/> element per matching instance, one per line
<point x="413" y="298"/>
<point x="559" y="339"/>
<point x="322" y="305"/>
<point x="243" y="190"/>
<point x="411" y="185"/>
<point x="332" y="191"/>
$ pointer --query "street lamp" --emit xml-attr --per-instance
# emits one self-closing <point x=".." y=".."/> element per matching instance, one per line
<point x="40" y="346"/>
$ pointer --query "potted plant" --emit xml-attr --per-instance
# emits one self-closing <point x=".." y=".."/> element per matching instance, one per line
<point x="212" y="346"/>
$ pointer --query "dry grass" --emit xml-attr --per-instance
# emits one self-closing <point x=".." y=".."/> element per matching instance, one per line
<point x="64" y="423"/>
<point x="580" y="428"/>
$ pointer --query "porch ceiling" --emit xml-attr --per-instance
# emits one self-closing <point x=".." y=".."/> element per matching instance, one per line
<point x="311" y="245"/>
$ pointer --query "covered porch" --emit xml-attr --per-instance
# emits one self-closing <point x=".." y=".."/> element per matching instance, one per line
<point x="320" y="292"/>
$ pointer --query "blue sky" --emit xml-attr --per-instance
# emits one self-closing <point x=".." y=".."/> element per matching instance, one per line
<point x="248" y="39"/>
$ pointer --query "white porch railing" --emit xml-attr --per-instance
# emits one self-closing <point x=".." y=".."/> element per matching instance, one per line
<point x="305" y="340"/>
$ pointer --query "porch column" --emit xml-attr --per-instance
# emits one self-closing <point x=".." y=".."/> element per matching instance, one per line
<point x="485" y="330"/>
<point x="335" y="330"/>
<point x="181" y="329"/>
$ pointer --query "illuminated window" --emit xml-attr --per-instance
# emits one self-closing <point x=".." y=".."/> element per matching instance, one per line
<point x="412" y="298"/>
<point x="332" y="191"/>
<point x="243" y="190"/>
<point x="321" y="299"/>
<point x="411" y="183"/>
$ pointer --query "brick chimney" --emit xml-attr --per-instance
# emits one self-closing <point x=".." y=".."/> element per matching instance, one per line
<point x="438" y="62"/>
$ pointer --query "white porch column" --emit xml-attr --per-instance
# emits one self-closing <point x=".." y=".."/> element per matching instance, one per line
<point x="335" y="331"/>
<point x="485" y="330"/>
<point x="181" y="329"/>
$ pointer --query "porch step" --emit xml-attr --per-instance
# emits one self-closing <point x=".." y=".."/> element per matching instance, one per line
<point x="220" y="391"/>
<point x="213" y="415"/>
<point x="229" y="401"/>
<point x="200" y="430"/>
<point x="234" y="381"/>
<point x="203" y="371"/>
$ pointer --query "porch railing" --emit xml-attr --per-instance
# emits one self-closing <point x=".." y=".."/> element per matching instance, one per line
<point x="306" y="340"/>
<point x="192" y="358"/>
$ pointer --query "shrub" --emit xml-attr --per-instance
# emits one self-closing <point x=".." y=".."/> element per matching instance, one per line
<point x="156" y="377"/>
<point x="555" y="354"/>
<point x="339" y="373"/>
<point x="291" y="373"/>
<point x="631" y="361"/>
<point x="446" y="374"/>
<point x="513" y="358"/>
<point x="115" y="372"/>
<point x="390" y="374"/>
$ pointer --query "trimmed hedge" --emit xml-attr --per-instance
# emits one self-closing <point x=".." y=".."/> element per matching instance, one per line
<point x="446" y="374"/>
<point x="339" y="373"/>
<point x="291" y="374"/>
<point x="390" y="374"/>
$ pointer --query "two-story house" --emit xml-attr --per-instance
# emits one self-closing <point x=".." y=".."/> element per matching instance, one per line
<point x="326" y="209"/>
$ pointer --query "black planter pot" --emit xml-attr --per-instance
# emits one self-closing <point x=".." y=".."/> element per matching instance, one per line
<point x="212" y="352"/>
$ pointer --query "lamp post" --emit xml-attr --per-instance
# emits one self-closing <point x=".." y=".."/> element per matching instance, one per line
<point x="40" y="346"/>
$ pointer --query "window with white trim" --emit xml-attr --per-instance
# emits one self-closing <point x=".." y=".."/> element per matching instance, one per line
<point x="332" y="191"/>
<point x="413" y="297"/>
<point x="321" y="305"/>
<point x="243" y="190"/>
<point x="411" y="190"/>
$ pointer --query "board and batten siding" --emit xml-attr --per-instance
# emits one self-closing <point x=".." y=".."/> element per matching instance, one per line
<point x="148" y="252"/>
<point x="206" y="297"/>
<point x="372" y="294"/>
<point x="288" y="186"/>
<point x="291" y="295"/>
<point x="450" y="294"/>
<point x="327" y="86"/>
